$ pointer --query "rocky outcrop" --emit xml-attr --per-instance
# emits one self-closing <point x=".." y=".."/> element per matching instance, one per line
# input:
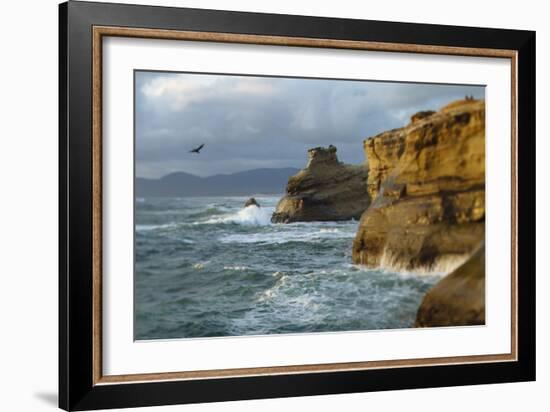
<point x="427" y="182"/>
<point x="459" y="298"/>
<point x="326" y="190"/>
<point x="251" y="202"/>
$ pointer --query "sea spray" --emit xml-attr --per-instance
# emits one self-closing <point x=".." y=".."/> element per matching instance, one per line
<point x="250" y="216"/>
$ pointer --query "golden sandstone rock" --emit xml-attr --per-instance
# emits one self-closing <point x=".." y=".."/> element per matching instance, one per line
<point x="427" y="182"/>
<point x="459" y="298"/>
<point x="325" y="190"/>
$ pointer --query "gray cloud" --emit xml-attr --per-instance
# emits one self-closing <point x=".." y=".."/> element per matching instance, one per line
<point x="253" y="122"/>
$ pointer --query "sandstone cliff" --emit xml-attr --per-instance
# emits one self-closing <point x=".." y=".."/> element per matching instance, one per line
<point x="459" y="298"/>
<point x="427" y="182"/>
<point x="326" y="190"/>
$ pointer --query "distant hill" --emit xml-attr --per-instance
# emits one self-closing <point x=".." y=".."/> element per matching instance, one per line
<point x="257" y="181"/>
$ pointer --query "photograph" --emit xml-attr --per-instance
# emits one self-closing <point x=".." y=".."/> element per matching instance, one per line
<point x="271" y="205"/>
<point x="258" y="203"/>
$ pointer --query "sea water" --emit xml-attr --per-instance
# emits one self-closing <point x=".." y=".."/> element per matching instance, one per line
<point x="207" y="267"/>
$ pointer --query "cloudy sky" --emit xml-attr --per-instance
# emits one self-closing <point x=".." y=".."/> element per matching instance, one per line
<point x="255" y="122"/>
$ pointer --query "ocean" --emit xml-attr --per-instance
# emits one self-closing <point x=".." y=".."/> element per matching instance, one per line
<point x="207" y="267"/>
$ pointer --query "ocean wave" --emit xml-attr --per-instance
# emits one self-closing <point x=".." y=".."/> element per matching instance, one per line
<point x="248" y="216"/>
<point x="146" y="228"/>
<point x="279" y="237"/>
<point x="440" y="267"/>
<point x="400" y="271"/>
<point x="210" y="212"/>
<point x="273" y="291"/>
<point x="218" y="207"/>
<point x="236" y="268"/>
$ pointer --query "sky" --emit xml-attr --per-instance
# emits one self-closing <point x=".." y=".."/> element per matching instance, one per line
<point x="250" y="122"/>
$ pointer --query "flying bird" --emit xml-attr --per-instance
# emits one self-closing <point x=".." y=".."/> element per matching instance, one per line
<point x="197" y="150"/>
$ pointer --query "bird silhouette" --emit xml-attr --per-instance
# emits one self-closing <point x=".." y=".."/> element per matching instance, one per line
<point x="197" y="150"/>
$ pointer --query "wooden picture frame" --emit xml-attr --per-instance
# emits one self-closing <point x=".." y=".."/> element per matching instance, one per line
<point x="82" y="385"/>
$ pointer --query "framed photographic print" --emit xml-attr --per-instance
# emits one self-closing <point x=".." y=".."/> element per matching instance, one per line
<point x="256" y="205"/>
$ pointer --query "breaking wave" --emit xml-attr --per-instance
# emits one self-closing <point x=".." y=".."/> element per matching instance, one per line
<point x="280" y="237"/>
<point x="248" y="216"/>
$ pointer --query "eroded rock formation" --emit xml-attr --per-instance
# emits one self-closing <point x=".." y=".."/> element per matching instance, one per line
<point x="427" y="182"/>
<point x="251" y="202"/>
<point x="459" y="298"/>
<point x="325" y="190"/>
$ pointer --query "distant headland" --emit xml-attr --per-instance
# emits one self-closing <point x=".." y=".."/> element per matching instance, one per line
<point x="181" y="184"/>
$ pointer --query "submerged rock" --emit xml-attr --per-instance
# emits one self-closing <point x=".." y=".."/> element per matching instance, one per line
<point x="459" y="298"/>
<point x="427" y="182"/>
<point x="251" y="202"/>
<point x="325" y="190"/>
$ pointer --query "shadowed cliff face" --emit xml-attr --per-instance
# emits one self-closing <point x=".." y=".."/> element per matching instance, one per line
<point x="427" y="182"/>
<point x="459" y="298"/>
<point x="325" y="190"/>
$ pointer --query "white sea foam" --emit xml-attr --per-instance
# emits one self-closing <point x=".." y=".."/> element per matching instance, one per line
<point x="236" y="268"/>
<point x="441" y="266"/>
<point x="186" y="241"/>
<point x="146" y="228"/>
<point x="330" y="230"/>
<point x="248" y="216"/>
<point x="279" y="237"/>
<point x="440" y="269"/>
<point x="273" y="291"/>
<point x="199" y="265"/>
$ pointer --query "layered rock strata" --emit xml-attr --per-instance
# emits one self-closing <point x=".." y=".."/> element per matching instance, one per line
<point x="427" y="182"/>
<point x="325" y="190"/>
